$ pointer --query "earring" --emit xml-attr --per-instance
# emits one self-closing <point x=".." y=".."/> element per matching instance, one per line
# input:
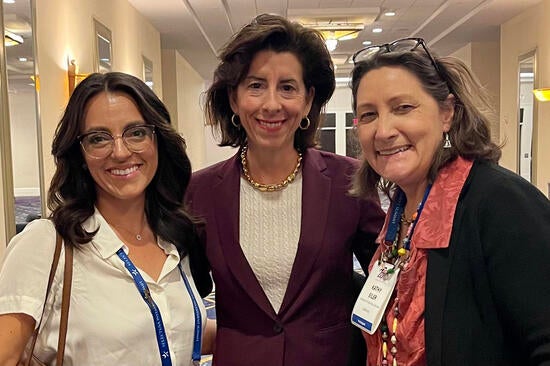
<point x="237" y="125"/>
<point x="306" y="126"/>
<point x="447" y="142"/>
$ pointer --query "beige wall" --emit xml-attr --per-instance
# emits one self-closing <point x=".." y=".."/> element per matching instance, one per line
<point x="520" y="35"/>
<point x="483" y="58"/>
<point x="183" y="90"/>
<point x="65" y="31"/>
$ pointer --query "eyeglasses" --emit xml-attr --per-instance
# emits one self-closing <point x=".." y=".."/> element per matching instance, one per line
<point x="100" y="144"/>
<point x="400" y="45"/>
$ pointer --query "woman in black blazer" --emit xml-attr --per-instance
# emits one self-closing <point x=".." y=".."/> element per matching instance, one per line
<point x="464" y="254"/>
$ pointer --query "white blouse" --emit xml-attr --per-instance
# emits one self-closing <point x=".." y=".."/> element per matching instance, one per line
<point x="109" y="322"/>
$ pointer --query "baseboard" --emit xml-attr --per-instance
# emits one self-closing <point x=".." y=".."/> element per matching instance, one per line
<point x="27" y="191"/>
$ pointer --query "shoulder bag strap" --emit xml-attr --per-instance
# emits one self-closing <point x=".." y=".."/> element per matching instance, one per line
<point x="65" y="302"/>
<point x="68" y="272"/>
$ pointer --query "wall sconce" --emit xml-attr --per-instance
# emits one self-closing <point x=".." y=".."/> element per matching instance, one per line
<point x="542" y="94"/>
<point x="73" y="76"/>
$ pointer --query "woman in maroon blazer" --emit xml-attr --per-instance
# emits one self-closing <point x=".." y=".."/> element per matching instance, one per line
<point x="280" y="226"/>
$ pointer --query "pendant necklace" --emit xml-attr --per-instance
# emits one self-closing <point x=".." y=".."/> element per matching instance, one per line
<point x="139" y="235"/>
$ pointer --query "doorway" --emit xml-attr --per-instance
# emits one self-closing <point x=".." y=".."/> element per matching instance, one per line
<point x="526" y="75"/>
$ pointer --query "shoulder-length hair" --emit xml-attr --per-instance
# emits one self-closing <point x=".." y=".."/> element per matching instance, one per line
<point x="270" y="32"/>
<point x="72" y="193"/>
<point x="470" y="128"/>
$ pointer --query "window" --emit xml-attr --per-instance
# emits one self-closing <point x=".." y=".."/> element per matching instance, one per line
<point x="337" y="134"/>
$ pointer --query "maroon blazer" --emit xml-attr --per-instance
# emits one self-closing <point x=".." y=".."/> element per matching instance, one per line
<point x="313" y="324"/>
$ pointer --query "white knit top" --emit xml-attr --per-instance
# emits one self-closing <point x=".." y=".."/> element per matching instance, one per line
<point x="269" y="231"/>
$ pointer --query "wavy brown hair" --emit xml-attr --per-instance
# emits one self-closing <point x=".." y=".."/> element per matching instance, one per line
<point x="276" y="33"/>
<point x="469" y="132"/>
<point x="72" y="192"/>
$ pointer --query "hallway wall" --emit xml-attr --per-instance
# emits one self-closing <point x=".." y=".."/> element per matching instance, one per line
<point x="520" y="35"/>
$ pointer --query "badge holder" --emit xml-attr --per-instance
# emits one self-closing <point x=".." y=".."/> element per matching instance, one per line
<point x="374" y="297"/>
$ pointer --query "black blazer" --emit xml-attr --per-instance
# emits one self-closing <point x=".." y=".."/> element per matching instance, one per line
<point x="488" y="293"/>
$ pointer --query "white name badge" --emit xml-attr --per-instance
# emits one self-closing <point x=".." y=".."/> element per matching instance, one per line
<point x="374" y="297"/>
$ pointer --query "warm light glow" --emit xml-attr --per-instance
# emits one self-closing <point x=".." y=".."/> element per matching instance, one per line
<point x="340" y="34"/>
<point x="12" y="39"/>
<point x="542" y="94"/>
<point x="331" y="44"/>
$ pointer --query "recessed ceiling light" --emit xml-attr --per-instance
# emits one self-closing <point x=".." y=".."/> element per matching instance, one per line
<point x="377" y="30"/>
<point x="367" y="43"/>
<point x="9" y="1"/>
<point x="23" y="59"/>
<point x="390" y="13"/>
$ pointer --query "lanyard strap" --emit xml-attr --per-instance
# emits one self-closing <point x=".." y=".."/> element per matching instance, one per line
<point x="143" y="289"/>
<point x="197" y="336"/>
<point x="399" y="207"/>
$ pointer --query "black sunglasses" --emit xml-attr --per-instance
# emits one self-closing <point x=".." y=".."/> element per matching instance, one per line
<point x="400" y="45"/>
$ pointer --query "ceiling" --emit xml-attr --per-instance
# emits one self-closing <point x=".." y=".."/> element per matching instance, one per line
<point x="198" y="29"/>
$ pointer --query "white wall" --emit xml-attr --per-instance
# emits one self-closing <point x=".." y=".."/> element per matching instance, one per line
<point x="26" y="180"/>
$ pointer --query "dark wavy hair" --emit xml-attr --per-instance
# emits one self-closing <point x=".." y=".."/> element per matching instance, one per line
<point x="276" y="33"/>
<point x="469" y="132"/>
<point x="72" y="193"/>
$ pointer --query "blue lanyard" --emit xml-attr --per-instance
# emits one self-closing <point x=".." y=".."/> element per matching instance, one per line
<point x="162" y="342"/>
<point x="197" y="336"/>
<point x="399" y="206"/>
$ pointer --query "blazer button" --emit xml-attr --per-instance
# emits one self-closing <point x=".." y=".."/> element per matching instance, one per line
<point x="277" y="328"/>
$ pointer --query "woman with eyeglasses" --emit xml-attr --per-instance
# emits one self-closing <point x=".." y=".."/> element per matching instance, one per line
<point x="116" y="197"/>
<point x="461" y="275"/>
<point x="280" y="225"/>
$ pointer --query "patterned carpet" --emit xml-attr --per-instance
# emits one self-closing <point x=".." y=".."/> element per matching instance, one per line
<point x="26" y="209"/>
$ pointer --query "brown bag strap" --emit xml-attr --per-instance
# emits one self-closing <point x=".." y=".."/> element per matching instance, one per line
<point x="65" y="300"/>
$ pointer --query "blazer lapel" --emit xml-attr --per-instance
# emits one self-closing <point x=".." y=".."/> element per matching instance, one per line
<point x="316" y="187"/>
<point x="227" y="201"/>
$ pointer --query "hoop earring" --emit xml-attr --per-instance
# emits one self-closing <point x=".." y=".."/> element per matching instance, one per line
<point x="306" y="126"/>
<point x="237" y="125"/>
<point x="447" y="142"/>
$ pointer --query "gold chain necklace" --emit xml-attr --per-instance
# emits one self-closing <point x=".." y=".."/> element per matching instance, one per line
<point x="268" y="187"/>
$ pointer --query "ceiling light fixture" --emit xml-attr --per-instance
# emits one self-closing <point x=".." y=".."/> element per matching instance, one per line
<point x="390" y="13"/>
<point x="12" y="39"/>
<point x="333" y="35"/>
<point x="377" y="30"/>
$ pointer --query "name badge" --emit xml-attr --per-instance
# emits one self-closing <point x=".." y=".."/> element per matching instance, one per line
<point x="374" y="297"/>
